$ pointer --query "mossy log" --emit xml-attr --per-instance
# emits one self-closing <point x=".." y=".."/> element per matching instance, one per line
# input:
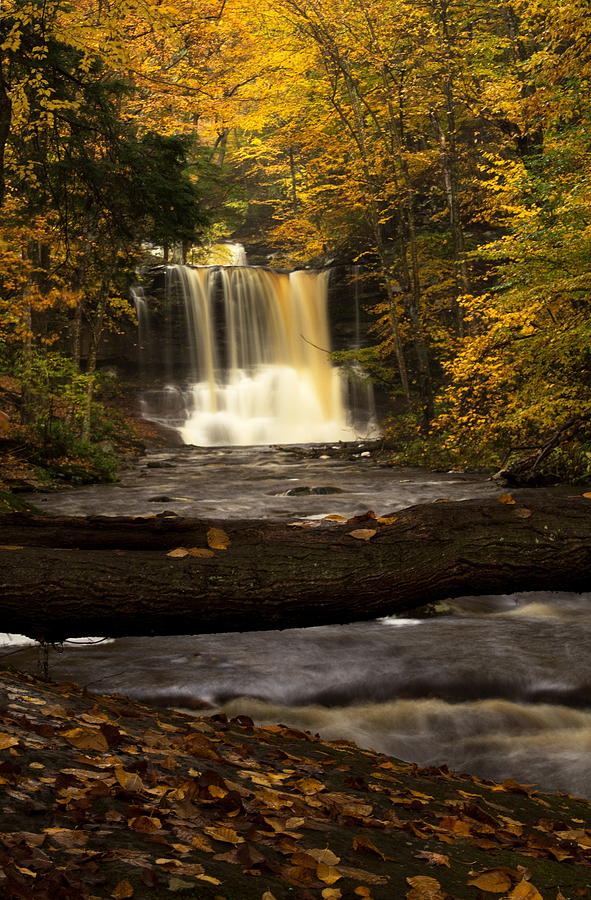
<point x="68" y="577"/>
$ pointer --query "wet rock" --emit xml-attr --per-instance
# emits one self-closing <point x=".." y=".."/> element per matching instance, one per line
<point x="161" y="498"/>
<point x="157" y="464"/>
<point x="307" y="491"/>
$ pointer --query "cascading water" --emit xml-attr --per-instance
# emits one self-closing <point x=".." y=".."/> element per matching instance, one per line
<point x="255" y="345"/>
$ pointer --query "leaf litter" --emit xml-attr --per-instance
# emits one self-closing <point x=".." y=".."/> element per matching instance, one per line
<point x="107" y="798"/>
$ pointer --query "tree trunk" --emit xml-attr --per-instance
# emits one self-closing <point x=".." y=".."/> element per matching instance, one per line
<point x="69" y="577"/>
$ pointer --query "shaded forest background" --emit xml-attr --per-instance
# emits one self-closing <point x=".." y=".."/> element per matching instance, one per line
<point x="441" y="148"/>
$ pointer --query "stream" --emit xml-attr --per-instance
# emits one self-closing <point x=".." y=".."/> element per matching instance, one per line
<point x="496" y="686"/>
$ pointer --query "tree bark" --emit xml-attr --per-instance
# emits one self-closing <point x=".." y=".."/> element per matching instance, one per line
<point x="69" y="577"/>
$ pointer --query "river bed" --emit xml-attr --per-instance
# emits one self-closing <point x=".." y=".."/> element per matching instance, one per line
<point x="496" y="686"/>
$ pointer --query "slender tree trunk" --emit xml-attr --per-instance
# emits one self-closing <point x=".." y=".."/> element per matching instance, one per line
<point x="5" y="126"/>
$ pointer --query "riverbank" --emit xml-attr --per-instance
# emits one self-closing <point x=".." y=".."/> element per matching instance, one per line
<point x="104" y="797"/>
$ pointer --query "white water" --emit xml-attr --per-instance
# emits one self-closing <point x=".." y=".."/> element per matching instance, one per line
<point x="258" y="347"/>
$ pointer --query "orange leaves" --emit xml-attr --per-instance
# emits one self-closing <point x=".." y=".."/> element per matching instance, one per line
<point x="86" y="739"/>
<point x="7" y="741"/>
<point x="217" y="539"/>
<point x="363" y="534"/>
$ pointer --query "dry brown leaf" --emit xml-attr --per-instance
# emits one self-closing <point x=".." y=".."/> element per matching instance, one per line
<point x="129" y="781"/>
<point x="144" y="824"/>
<point x="433" y="859"/>
<point x="362" y="875"/>
<point x="363" y="843"/>
<point x="68" y="837"/>
<point x="123" y="891"/>
<point x="363" y="534"/>
<point x="424" y="888"/>
<point x="7" y="740"/>
<point x="325" y="856"/>
<point x="525" y="891"/>
<point x="86" y="739"/>
<point x="523" y="513"/>
<point x="495" y="881"/>
<point x="331" y="894"/>
<point x="387" y="520"/>
<point x="268" y="896"/>
<point x="217" y="539"/>
<point x="587" y="495"/>
<point x="227" y="835"/>
<point x="335" y="517"/>
<point x="10" y="547"/>
<point x="201" y="553"/>
<point x="507" y="499"/>
<point x="179" y="553"/>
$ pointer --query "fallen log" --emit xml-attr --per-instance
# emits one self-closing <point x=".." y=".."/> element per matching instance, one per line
<point x="70" y="577"/>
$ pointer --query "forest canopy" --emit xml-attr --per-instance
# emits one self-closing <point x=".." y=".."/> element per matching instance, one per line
<point x="440" y="147"/>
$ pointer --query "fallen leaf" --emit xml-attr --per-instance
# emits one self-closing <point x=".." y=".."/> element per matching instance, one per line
<point x="129" y="781"/>
<point x="179" y="884"/>
<point x="525" y="891"/>
<point x="327" y="874"/>
<point x="433" y="859"/>
<point x="587" y="495"/>
<point x="362" y="875"/>
<point x="123" y="891"/>
<point x="10" y="547"/>
<point x="508" y="499"/>
<point x="227" y="835"/>
<point x="363" y="534"/>
<point x="495" y="881"/>
<point x="523" y="513"/>
<point x="331" y="894"/>
<point x="201" y="553"/>
<point x="179" y="553"/>
<point x="424" y="888"/>
<point x="144" y="824"/>
<point x="86" y="739"/>
<point x="336" y="518"/>
<point x="326" y="856"/>
<point x="387" y="520"/>
<point x="7" y="740"/>
<point x="217" y="539"/>
<point x="363" y="843"/>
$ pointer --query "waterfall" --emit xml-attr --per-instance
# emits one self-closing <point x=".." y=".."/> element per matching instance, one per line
<point x="254" y="345"/>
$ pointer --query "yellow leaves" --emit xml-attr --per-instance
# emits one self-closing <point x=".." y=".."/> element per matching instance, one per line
<point x="309" y="786"/>
<point x="7" y="740"/>
<point x="224" y="834"/>
<point x="363" y="534"/>
<point x="507" y="499"/>
<point x="525" y="891"/>
<point x="196" y="552"/>
<point x="217" y="539"/>
<point x="424" y="888"/>
<point x="129" y="781"/>
<point x="86" y="739"/>
<point x="495" y="881"/>
<point x="327" y="874"/>
<point x="123" y="891"/>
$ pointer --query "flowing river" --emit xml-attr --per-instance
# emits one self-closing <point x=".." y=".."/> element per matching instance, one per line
<point x="495" y="686"/>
